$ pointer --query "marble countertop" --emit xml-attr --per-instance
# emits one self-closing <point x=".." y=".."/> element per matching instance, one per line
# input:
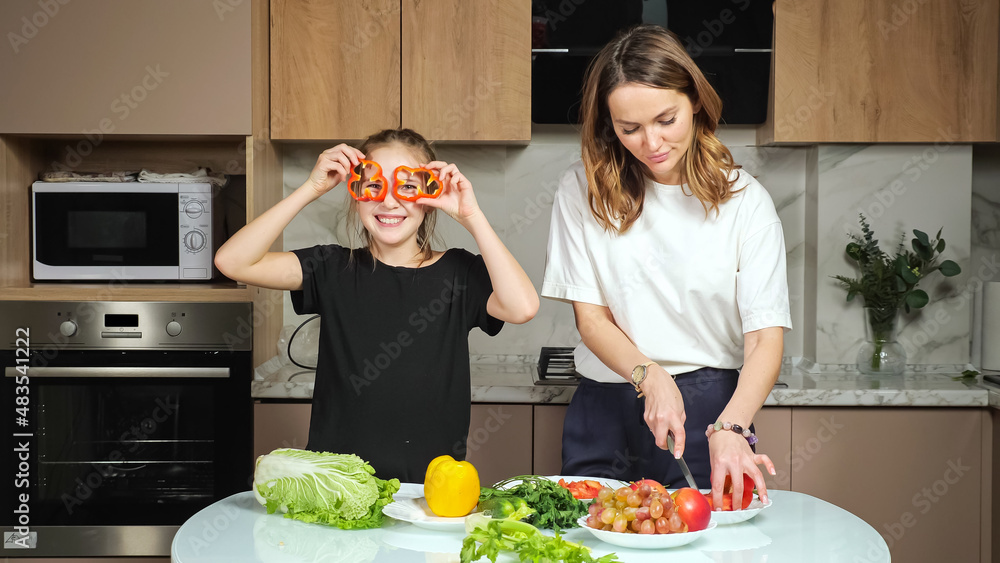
<point x="801" y="383"/>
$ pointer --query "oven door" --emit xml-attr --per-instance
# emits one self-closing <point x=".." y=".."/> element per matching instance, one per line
<point x="105" y="233"/>
<point x="119" y="455"/>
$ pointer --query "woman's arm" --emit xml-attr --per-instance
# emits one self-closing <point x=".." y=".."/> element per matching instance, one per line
<point x="514" y="299"/>
<point x="730" y="453"/>
<point x="664" y="404"/>
<point x="246" y="257"/>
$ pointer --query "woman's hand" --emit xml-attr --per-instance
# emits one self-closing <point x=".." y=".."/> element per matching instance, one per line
<point x="333" y="167"/>
<point x="730" y="454"/>
<point x="457" y="198"/>
<point x="664" y="408"/>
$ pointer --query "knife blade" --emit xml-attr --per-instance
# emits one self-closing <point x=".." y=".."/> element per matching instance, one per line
<point x="681" y="463"/>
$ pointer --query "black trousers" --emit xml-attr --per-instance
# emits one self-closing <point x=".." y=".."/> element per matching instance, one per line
<point x="604" y="434"/>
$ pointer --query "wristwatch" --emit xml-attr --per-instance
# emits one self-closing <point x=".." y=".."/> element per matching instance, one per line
<point x="639" y="375"/>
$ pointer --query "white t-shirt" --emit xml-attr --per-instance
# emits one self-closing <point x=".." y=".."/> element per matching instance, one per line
<point x="684" y="288"/>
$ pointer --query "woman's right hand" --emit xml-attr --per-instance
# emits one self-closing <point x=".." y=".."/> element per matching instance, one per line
<point x="333" y="167"/>
<point x="664" y="408"/>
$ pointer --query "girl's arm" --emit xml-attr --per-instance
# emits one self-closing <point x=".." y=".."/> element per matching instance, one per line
<point x="730" y="453"/>
<point x="664" y="410"/>
<point x="246" y="257"/>
<point x="514" y="299"/>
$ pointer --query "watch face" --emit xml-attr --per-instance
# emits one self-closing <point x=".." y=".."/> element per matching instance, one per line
<point x="638" y="373"/>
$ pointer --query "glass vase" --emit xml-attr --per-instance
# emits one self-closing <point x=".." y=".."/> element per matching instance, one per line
<point x="880" y="353"/>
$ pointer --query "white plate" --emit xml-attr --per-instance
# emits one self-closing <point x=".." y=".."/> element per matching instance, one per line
<point x="646" y="541"/>
<point x="409" y="505"/>
<point x="724" y="518"/>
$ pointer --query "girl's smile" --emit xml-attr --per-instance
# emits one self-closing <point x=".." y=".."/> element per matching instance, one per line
<point x="391" y="223"/>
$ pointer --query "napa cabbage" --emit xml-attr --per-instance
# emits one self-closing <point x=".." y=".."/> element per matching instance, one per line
<point x="334" y="489"/>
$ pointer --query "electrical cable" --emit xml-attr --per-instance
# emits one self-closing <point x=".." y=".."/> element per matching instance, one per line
<point x="292" y="337"/>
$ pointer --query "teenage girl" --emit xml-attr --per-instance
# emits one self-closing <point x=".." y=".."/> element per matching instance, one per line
<point x="392" y="377"/>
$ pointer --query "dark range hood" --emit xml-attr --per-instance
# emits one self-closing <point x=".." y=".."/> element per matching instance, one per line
<point x="730" y="40"/>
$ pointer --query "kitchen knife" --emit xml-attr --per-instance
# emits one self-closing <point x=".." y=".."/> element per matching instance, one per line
<point x="680" y="461"/>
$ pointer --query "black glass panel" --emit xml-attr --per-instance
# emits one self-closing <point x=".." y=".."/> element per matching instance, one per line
<point x="710" y="31"/>
<point x="129" y="450"/>
<point x="101" y="229"/>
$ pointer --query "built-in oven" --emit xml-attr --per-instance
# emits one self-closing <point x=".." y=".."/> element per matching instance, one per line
<point x="122" y="419"/>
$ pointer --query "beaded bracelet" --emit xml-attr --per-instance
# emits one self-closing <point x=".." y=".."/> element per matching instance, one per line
<point x="719" y="425"/>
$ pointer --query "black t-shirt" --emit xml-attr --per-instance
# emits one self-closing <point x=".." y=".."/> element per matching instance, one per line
<point x="392" y="378"/>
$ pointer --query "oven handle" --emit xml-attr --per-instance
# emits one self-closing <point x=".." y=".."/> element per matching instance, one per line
<point x="175" y="372"/>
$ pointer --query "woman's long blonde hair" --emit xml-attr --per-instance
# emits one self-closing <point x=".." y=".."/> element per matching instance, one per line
<point x="421" y="149"/>
<point x="652" y="56"/>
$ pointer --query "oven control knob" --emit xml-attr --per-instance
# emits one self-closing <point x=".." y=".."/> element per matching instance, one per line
<point x="68" y="328"/>
<point x="195" y="240"/>
<point x="194" y="209"/>
<point x="173" y="328"/>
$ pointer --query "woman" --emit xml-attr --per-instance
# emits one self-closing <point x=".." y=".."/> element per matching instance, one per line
<point x="673" y="259"/>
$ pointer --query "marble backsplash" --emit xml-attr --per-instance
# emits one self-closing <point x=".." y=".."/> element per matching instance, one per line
<point x="817" y="191"/>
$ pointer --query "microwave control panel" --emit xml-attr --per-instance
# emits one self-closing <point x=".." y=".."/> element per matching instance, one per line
<point x="195" y="220"/>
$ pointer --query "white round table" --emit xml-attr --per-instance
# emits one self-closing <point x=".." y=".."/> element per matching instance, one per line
<point x="795" y="528"/>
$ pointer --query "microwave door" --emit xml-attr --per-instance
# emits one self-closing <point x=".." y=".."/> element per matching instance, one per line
<point x="100" y="235"/>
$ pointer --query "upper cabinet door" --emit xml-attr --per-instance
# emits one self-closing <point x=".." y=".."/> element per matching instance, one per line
<point x="334" y="68"/>
<point x="180" y="67"/>
<point x="864" y="71"/>
<point x="467" y="69"/>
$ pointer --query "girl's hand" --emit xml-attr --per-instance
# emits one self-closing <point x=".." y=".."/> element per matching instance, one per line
<point x="457" y="199"/>
<point x="664" y="408"/>
<point x="730" y="454"/>
<point x="333" y="167"/>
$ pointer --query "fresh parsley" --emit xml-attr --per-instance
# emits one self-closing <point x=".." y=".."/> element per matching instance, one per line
<point x="556" y="506"/>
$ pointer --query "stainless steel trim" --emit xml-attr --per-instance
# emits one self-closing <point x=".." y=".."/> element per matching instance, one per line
<point x="109" y="334"/>
<point x="97" y="541"/>
<point x="120" y="372"/>
<point x="550" y="50"/>
<point x="752" y="50"/>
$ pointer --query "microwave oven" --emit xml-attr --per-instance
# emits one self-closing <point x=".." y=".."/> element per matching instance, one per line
<point x="126" y="231"/>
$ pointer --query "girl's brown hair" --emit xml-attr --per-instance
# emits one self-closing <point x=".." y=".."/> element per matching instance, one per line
<point x="421" y="149"/>
<point x="652" y="56"/>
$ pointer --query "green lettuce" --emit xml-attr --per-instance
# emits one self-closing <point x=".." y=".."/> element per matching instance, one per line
<point x="334" y="489"/>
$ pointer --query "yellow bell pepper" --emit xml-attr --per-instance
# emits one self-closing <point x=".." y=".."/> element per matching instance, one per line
<point x="451" y="487"/>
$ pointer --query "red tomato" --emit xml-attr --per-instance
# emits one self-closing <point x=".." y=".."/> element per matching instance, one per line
<point x="727" y="501"/>
<point x="656" y="486"/>
<point x="727" y="493"/>
<point x="693" y="508"/>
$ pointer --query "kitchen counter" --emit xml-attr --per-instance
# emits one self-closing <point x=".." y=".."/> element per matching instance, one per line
<point x="511" y="379"/>
<point x="796" y="527"/>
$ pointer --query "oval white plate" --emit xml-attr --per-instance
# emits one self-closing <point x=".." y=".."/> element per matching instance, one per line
<point x="409" y="505"/>
<point x="646" y="541"/>
<point x="736" y="516"/>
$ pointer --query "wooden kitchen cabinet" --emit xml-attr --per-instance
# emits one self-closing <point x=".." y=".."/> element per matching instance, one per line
<point x="547" y="432"/>
<point x="456" y="71"/>
<point x="914" y="474"/>
<point x="773" y="427"/>
<point x="499" y="443"/>
<point x="280" y="425"/>
<point x="126" y="67"/>
<point x="883" y="71"/>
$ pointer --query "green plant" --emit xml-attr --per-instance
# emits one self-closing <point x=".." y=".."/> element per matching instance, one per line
<point x="890" y="282"/>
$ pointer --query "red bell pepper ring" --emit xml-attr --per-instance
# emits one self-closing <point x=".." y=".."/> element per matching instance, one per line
<point x="367" y="182"/>
<point x="411" y="184"/>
